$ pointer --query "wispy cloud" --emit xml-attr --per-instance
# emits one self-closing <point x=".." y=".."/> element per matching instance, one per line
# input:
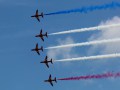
<point x="110" y="33"/>
<point x="63" y="52"/>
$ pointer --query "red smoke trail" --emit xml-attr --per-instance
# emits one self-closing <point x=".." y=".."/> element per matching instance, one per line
<point x="98" y="76"/>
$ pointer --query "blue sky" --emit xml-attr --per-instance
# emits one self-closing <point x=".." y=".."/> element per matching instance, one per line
<point x="20" y="68"/>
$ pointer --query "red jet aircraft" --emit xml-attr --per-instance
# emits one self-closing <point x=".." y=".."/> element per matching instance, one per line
<point x="46" y="61"/>
<point x="37" y="49"/>
<point x="42" y="35"/>
<point x="37" y="15"/>
<point x="50" y="80"/>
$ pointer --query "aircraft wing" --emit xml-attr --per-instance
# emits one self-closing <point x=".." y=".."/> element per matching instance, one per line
<point x="42" y="39"/>
<point x="37" y="45"/>
<point x="41" y="31"/>
<point x="37" y="12"/>
<point x="51" y="83"/>
<point x="50" y="76"/>
<point x="38" y="52"/>
<point x="48" y="67"/>
<point x="38" y="19"/>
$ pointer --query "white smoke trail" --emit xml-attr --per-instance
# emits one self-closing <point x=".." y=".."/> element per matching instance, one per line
<point x="90" y="57"/>
<point x="85" y="43"/>
<point x="86" y="29"/>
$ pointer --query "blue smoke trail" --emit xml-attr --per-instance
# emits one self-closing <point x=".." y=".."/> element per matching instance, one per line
<point x="88" y="9"/>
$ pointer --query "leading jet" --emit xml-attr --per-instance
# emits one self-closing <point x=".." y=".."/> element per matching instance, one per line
<point x="37" y="49"/>
<point x="42" y="35"/>
<point x="50" y="80"/>
<point x="37" y="15"/>
<point x="46" y="61"/>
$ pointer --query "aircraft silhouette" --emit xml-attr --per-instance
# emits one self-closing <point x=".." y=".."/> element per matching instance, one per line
<point x="50" y="80"/>
<point x="46" y="61"/>
<point x="37" y="15"/>
<point x="42" y="35"/>
<point x="37" y="49"/>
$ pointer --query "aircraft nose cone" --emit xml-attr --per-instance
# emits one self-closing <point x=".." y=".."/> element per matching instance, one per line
<point x="41" y="62"/>
<point x="36" y="36"/>
<point x="44" y="80"/>
<point x="32" y="49"/>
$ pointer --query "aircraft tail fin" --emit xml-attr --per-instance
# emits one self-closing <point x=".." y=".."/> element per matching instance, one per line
<point x="42" y="15"/>
<point x="42" y="48"/>
<point x="55" y="80"/>
<point x="46" y="34"/>
<point x="51" y="61"/>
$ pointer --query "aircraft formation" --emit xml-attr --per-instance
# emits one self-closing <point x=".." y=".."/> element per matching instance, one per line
<point x="38" y="49"/>
<point x="42" y="35"/>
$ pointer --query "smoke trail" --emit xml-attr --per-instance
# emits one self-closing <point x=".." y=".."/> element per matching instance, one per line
<point x="85" y="43"/>
<point x="90" y="57"/>
<point x="88" y="9"/>
<point x="98" y="76"/>
<point x="86" y="29"/>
